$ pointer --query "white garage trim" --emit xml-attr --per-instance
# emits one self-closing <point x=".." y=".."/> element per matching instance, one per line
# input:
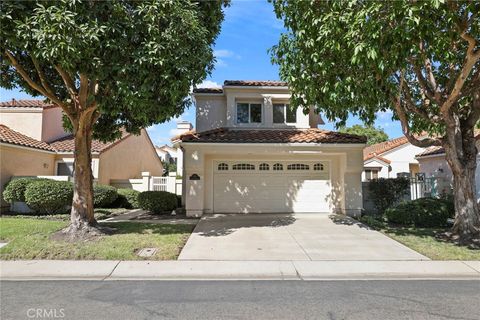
<point x="271" y="186"/>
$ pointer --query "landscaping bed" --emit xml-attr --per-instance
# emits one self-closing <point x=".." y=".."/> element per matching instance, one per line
<point x="30" y="238"/>
<point x="424" y="241"/>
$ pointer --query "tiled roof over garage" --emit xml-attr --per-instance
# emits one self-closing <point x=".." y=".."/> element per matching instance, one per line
<point x="255" y="83"/>
<point x="224" y="135"/>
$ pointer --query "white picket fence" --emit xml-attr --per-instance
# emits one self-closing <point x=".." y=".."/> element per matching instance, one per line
<point x="151" y="183"/>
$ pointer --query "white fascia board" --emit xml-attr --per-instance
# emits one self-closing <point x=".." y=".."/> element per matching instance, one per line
<point x="21" y="110"/>
<point x="257" y="87"/>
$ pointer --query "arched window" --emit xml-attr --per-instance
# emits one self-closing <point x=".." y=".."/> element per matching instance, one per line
<point x="318" y="167"/>
<point x="277" y="167"/>
<point x="298" y="166"/>
<point x="243" y="166"/>
<point x="222" y="167"/>
<point x="264" y="167"/>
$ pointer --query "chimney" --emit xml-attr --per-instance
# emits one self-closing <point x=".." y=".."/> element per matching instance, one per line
<point x="183" y="127"/>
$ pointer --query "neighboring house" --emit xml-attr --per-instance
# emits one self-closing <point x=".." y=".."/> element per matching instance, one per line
<point x="390" y="159"/>
<point x="252" y="153"/>
<point x="171" y="154"/>
<point x="434" y="165"/>
<point x="38" y="146"/>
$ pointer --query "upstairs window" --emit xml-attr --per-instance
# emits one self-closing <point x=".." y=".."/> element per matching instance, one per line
<point x="282" y="113"/>
<point x="249" y="113"/>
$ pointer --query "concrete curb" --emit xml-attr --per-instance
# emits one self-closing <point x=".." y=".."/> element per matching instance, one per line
<point x="236" y="270"/>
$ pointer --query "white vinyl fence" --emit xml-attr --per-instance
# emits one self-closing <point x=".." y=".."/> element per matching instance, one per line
<point x="151" y="183"/>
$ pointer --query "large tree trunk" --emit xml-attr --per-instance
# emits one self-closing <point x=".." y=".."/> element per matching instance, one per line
<point x="81" y="217"/>
<point x="462" y="160"/>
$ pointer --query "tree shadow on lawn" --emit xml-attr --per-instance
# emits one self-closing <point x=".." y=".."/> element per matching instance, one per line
<point x="148" y="228"/>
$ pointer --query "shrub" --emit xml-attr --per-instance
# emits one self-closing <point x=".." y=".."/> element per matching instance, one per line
<point x="157" y="201"/>
<point x="179" y="201"/>
<point x="387" y="192"/>
<point x="49" y="196"/>
<point x="425" y="212"/>
<point x="372" y="222"/>
<point x="104" y="196"/>
<point x="127" y="198"/>
<point x="15" y="189"/>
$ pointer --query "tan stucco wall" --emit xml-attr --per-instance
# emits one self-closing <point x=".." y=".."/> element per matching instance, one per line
<point x="26" y="121"/>
<point x="215" y="110"/>
<point x="52" y="127"/>
<point x="128" y="159"/>
<point x="346" y="165"/>
<point x="16" y="161"/>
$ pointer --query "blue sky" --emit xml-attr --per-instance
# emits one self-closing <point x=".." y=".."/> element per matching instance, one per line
<point x="249" y="30"/>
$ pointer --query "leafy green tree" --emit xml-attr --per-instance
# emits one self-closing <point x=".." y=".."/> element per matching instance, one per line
<point x="108" y="65"/>
<point x="417" y="58"/>
<point x="374" y="135"/>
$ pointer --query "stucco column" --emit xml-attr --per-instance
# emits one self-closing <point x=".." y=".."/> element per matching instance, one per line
<point x="268" y="111"/>
<point x="353" y="183"/>
<point x="230" y="110"/>
<point x="194" y="181"/>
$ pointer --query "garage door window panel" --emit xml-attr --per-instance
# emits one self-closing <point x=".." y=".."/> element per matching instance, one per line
<point x="298" y="167"/>
<point x="243" y="166"/>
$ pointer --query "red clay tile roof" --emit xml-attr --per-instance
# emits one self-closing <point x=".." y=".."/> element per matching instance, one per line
<point x="67" y="144"/>
<point x="382" y="147"/>
<point x="255" y="83"/>
<point x="32" y="103"/>
<point x="10" y="136"/>
<point x="208" y="90"/>
<point x="430" y="151"/>
<point x="380" y="158"/>
<point x="224" y="135"/>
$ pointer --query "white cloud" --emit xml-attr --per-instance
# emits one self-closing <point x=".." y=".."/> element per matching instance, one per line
<point x="209" y="84"/>
<point x="223" y="53"/>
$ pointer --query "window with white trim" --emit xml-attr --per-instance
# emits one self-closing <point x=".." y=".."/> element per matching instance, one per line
<point x="65" y="169"/>
<point x="277" y="167"/>
<point x="371" y="174"/>
<point x="249" y="113"/>
<point x="243" y="166"/>
<point x="298" y="166"/>
<point x="282" y="113"/>
<point x="318" y="167"/>
<point x="264" y="167"/>
<point x="222" y="167"/>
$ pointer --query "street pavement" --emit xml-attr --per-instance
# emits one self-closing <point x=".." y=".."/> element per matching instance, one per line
<point x="383" y="299"/>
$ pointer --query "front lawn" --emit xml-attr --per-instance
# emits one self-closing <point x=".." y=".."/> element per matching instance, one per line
<point x="423" y="241"/>
<point x="29" y="238"/>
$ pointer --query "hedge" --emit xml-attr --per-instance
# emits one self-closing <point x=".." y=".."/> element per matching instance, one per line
<point x="424" y="212"/>
<point x="127" y="198"/>
<point x="15" y="189"/>
<point x="157" y="201"/>
<point x="104" y="196"/>
<point x="387" y="192"/>
<point x="49" y="196"/>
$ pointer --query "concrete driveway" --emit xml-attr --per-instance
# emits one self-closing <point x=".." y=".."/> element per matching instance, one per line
<point x="290" y="237"/>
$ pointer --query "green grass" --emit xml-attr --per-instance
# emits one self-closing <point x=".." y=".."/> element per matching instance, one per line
<point x="29" y="238"/>
<point x="100" y="214"/>
<point x="423" y="240"/>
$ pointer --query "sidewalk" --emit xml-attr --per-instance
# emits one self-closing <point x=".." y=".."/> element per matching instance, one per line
<point x="236" y="270"/>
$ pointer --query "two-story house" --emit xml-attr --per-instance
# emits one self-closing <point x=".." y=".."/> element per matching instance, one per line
<point x="252" y="153"/>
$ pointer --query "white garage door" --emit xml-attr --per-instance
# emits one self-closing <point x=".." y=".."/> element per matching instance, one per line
<point x="273" y="186"/>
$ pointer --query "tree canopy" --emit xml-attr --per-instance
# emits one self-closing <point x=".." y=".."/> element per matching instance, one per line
<point x="109" y="65"/>
<point x="417" y="58"/>
<point x="374" y="135"/>
<point x="142" y="56"/>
